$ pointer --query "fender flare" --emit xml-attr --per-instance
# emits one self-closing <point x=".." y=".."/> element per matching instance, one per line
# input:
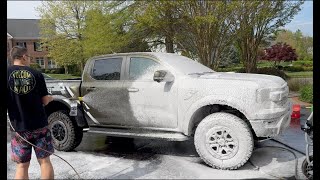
<point x="211" y="100"/>
<point x="80" y="119"/>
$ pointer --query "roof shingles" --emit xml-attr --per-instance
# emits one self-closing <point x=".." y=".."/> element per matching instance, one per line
<point x="23" y="28"/>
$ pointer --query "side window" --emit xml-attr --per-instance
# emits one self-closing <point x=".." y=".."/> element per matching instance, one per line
<point x="107" y="69"/>
<point x="142" y="68"/>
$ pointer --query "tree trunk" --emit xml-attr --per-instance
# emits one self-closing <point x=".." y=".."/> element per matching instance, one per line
<point x="66" y="69"/>
<point x="169" y="44"/>
<point x="81" y="67"/>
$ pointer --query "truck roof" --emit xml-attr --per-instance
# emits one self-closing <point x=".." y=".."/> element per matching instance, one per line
<point x="181" y="63"/>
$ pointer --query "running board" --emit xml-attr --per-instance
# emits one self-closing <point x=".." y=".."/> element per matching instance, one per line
<point x="135" y="133"/>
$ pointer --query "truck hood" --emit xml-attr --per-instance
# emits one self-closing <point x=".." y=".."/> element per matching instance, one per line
<point x="261" y="79"/>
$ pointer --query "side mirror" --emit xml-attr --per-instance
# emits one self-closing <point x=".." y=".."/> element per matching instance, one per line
<point x="163" y="76"/>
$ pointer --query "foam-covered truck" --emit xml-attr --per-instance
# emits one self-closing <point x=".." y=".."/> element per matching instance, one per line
<point x="171" y="97"/>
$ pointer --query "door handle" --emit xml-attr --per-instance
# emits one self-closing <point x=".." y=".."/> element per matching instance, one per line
<point x="90" y="89"/>
<point x="133" y="89"/>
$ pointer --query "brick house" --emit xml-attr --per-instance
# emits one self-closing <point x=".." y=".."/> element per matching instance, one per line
<point x="26" y="32"/>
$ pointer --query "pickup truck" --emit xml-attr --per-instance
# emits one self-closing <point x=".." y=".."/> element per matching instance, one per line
<point x="171" y="97"/>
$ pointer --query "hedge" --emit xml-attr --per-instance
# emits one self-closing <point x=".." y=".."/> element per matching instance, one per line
<point x="306" y="93"/>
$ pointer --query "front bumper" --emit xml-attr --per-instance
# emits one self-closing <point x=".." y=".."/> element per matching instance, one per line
<point x="272" y="127"/>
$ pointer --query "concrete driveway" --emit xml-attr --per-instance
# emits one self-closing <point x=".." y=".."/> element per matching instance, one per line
<point x="96" y="157"/>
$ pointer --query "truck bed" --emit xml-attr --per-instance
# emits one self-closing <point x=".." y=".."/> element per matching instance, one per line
<point x="67" y="88"/>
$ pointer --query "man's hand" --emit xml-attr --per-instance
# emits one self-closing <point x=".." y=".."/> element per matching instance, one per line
<point x="46" y="99"/>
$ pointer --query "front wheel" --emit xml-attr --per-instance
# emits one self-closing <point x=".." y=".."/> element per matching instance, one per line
<point x="224" y="141"/>
<point x="66" y="134"/>
<point x="307" y="168"/>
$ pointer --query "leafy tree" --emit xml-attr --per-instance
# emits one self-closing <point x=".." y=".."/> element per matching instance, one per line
<point x="257" y="20"/>
<point x="302" y="44"/>
<point x="108" y="30"/>
<point x="280" y="52"/>
<point x="206" y="29"/>
<point x="61" y="28"/>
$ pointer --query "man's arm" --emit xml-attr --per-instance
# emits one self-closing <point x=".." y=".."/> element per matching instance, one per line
<point x="46" y="99"/>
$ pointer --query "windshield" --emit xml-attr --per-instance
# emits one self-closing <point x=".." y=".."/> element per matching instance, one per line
<point x="184" y="64"/>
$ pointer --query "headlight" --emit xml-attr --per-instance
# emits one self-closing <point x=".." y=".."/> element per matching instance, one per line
<point x="276" y="94"/>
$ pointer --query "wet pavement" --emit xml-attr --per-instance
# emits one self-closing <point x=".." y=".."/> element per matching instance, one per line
<point x="100" y="157"/>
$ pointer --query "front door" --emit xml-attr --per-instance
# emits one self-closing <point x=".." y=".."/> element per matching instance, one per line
<point x="102" y="91"/>
<point x="151" y="104"/>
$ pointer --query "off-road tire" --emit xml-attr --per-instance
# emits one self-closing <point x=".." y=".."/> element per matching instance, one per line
<point x="236" y="131"/>
<point x="307" y="169"/>
<point x="72" y="132"/>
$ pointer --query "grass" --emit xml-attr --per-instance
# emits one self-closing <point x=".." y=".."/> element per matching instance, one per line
<point x="302" y="74"/>
<point x="63" y="76"/>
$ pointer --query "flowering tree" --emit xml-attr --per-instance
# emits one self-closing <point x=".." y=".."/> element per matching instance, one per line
<point x="280" y="52"/>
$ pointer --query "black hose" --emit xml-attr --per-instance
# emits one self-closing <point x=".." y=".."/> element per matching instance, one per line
<point x="303" y="153"/>
<point x="295" y="156"/>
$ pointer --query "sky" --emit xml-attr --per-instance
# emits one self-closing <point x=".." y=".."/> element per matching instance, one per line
<point x="26" y="10"/>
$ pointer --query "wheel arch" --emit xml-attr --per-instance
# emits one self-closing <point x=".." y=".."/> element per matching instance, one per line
<point x="211" y="105"/>
<point x="61" y="103"/>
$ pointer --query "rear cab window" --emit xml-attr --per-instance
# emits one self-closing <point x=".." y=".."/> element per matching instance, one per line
<point x="107" y="69"/>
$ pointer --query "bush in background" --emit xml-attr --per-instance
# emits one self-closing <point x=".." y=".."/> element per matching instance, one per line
<point x="306" y="93"/>
<point x="308" y="68"/>
<point x="269" y="71"/>
<point x="303" y="63"/>
<point x="296" y="84"/>
<point x="36" y="66"/>
<point x="293" y="68"/>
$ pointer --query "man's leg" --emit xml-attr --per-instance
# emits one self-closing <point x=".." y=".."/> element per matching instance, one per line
<point x="46" y="168"/>
<point x="21" y="154"/>
<point x="43" y="140"/>
<point x="22" y="171"/>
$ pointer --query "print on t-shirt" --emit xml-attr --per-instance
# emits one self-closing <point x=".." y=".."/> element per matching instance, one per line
<point x="21" y="81"/>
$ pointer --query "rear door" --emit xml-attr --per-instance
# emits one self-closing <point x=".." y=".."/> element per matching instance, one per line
<point x="102" y="91"/>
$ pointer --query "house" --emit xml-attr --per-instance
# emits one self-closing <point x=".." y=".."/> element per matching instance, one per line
<point x="26" y="32"/>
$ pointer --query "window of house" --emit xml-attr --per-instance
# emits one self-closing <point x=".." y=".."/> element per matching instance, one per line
<point x="107" y="69"/>
<point x="22" y="44"/>
<point x="40" y="61"/>
<point x="142" y="68"/>
<point x="51" y="63"/>
<point x="37" y="46"/>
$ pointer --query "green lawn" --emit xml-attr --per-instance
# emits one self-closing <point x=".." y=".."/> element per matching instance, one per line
<point x="62" y="76"/>
<point x="302" y="74"/>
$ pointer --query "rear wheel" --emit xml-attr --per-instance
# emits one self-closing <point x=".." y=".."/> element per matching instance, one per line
<point x="66" y="134"/>
<point x="224" y="141"/>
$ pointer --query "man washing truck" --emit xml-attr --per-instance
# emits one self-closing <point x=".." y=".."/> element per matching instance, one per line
<point x="168" y="96"/>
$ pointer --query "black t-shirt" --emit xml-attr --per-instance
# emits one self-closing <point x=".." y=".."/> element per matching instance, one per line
<point x="25" y="89"/>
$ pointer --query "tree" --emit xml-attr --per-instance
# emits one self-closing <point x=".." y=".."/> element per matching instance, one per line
<point x="302" y="44"/>
<point x="280" y="52"/>
<point x="61" y="27"/>
<point x="206" y="29"/>
<point x="108" y="30"/>
<point x="256" y="21"/>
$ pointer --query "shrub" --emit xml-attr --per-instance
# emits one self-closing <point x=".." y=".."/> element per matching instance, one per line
<point x="295" y="84"/>
<point x="308" y="68"/>
<point x="47" y="71"/>
<point x="36" y="66"/>
<point x="306" y="93"/>
<point x="293" y="68"/>
<point x="303" y="63"/>
<point x="77" y="74"/>
<point x="53" y="71"/>
<point x="269" y="71"/>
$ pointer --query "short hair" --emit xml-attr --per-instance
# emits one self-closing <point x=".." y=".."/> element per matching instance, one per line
<point x="17" y="52"/>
